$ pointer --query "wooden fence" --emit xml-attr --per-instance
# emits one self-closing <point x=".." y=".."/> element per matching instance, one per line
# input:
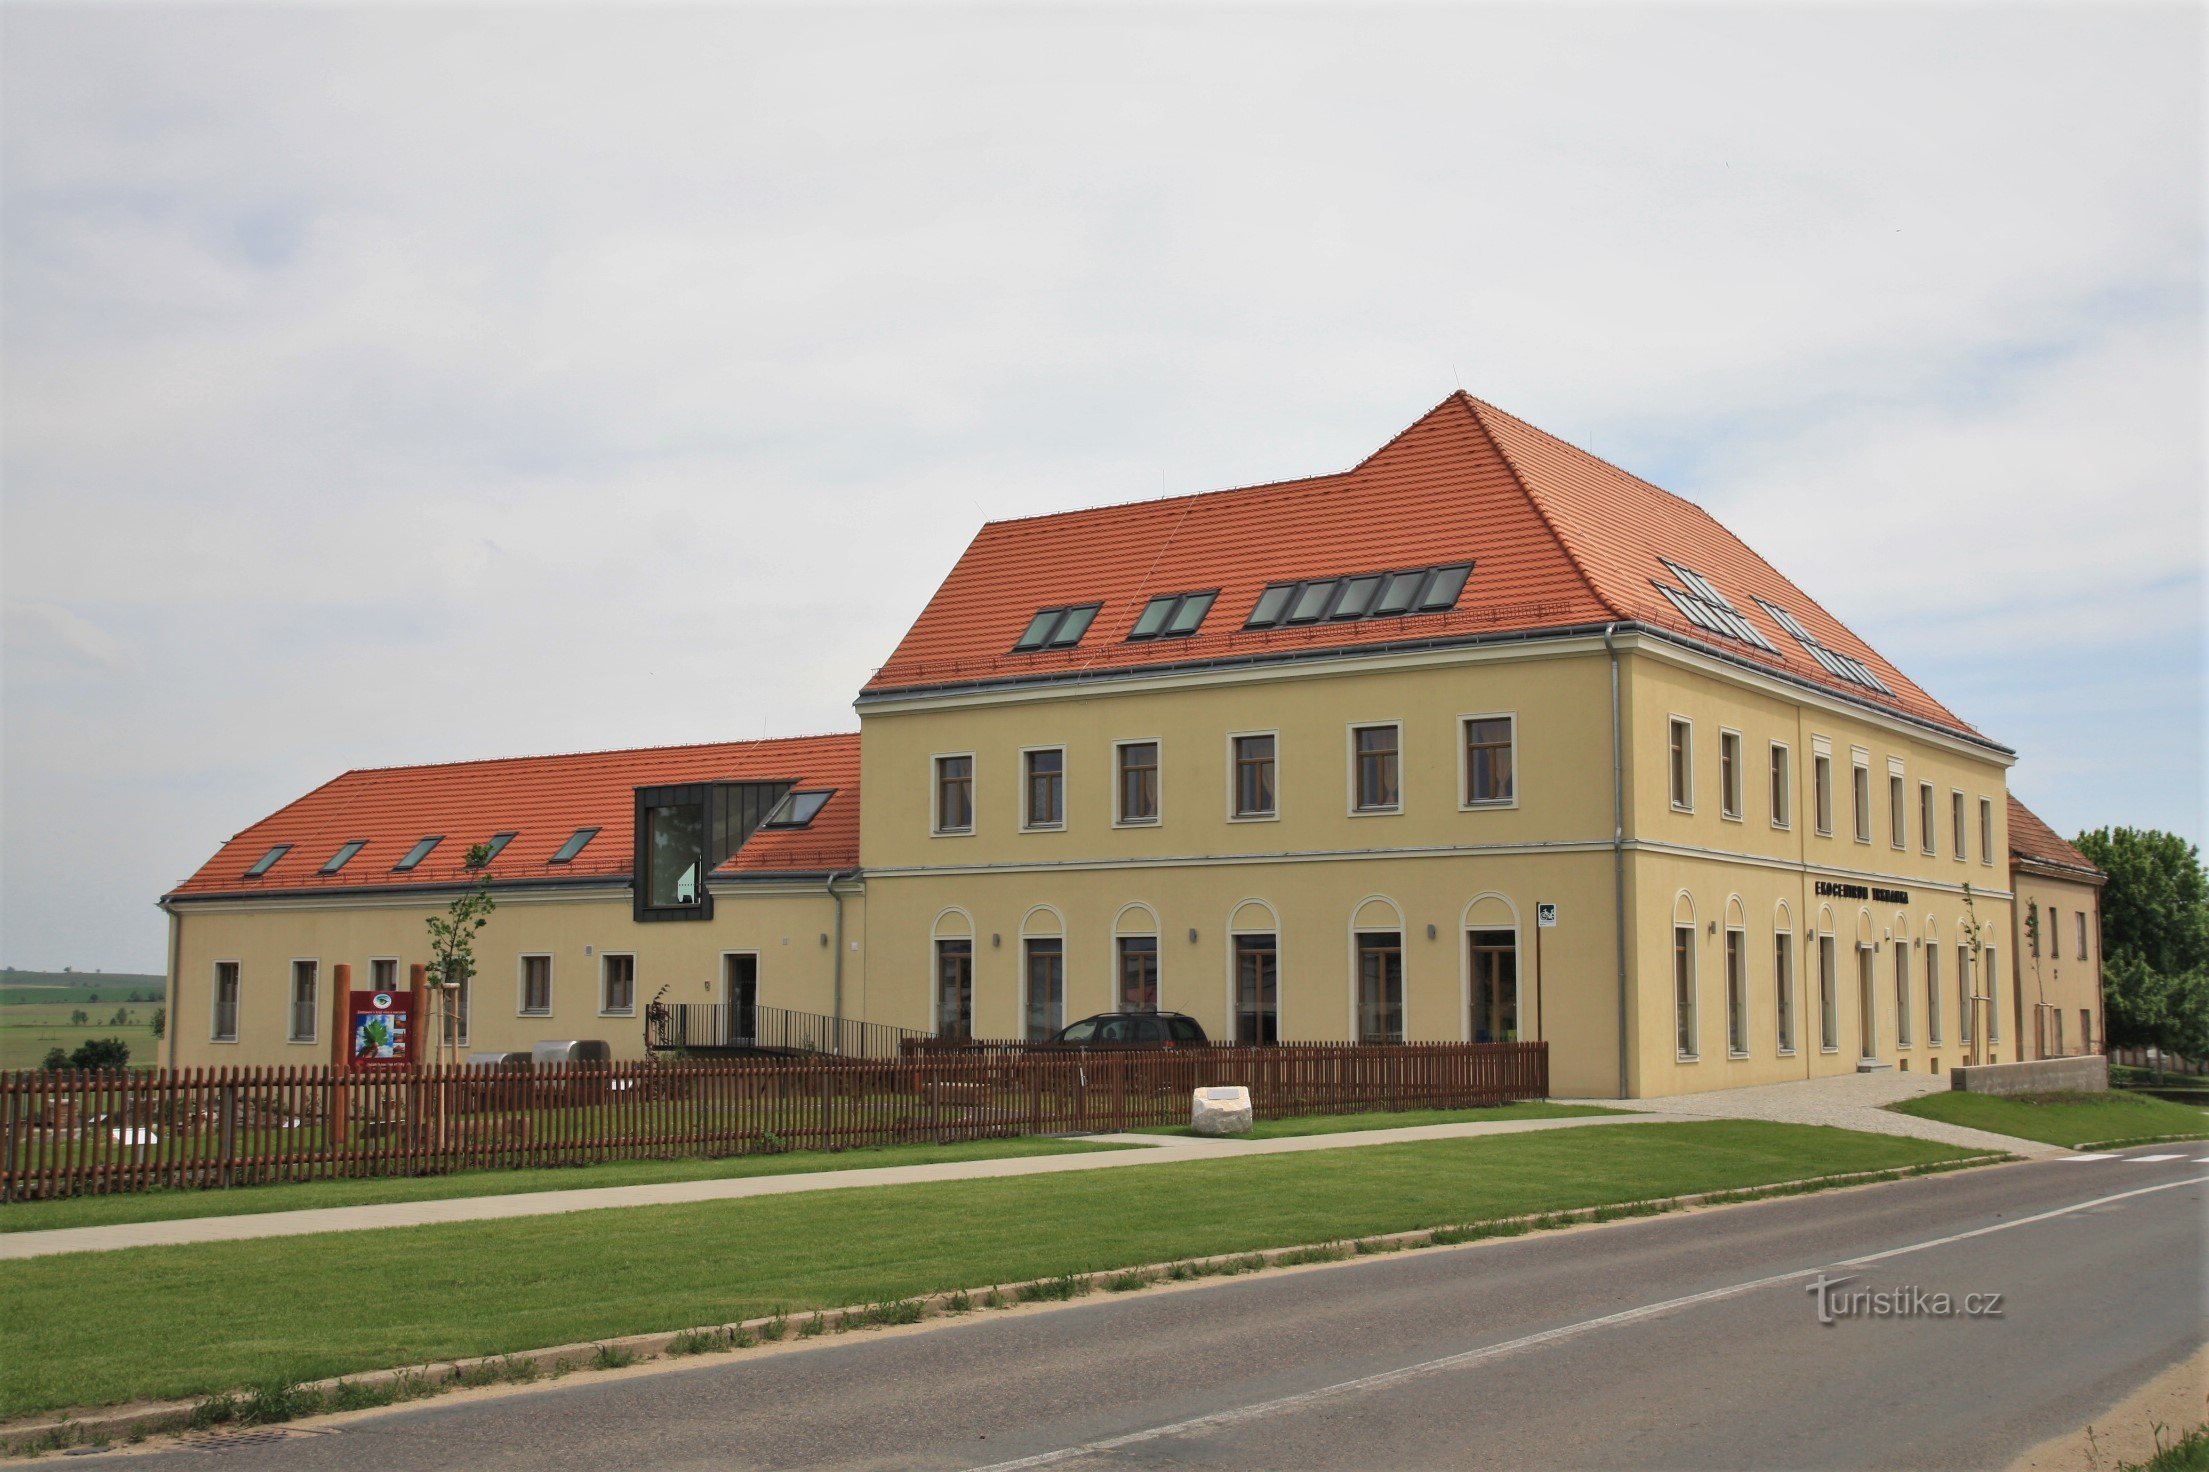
<point x="69" y="1132"/>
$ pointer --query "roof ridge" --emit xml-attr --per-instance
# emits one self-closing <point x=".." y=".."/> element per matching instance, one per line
<point x="551" y="756"/>
<point x="1542" y="512"/>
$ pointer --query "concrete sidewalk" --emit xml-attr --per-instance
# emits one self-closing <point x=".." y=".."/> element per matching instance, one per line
<point x="1158" y="1150"/>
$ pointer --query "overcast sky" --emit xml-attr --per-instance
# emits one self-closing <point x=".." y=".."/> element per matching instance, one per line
<point x="398" y="383"/>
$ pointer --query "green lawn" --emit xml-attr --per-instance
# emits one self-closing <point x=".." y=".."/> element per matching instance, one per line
<point x="156" y="1206"/>
<point x="2063" y="1119"/>
<point x="99" y="1328"/>
<point x="28" y="1030"/>
<point x="1330" y="1124"/>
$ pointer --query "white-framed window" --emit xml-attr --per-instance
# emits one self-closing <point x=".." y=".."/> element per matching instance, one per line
<point x="1902" y="994"/>
<point x="1867" y="1002"/>
<point x="1489" y="760"/>
<point x="1044" y="958"/>
<point x="383" y="974"/>
<point x="1737" y="993"/>
<point x="454" y="1021"/>
<point x="1680" y="764"/>
<point x="1898" y="809"/>
<point x="1376" y="768"/>
<point x="1986" y="830"/>
<point x="1683" y="991"/>
<point x="1956" y="820"/>
<point x="306" y="1010"/>
<point x="1135" y="783"/>
<point x="1729" y="774"/>
<point x="1783" y="786"/>
<point x="1860" y="787"/>
<point x="617" y="984"/>
<point x="1993" y="966"/>
<point x="1821" y="792"/>
<point x="953" y="799"/>
<point x="1932" y="994"/>
<point x="1969" y="1010"/>
<point x="1042" y="787"/>
<point x="1783" y="989"/>
<point x="955" y="987"/>
<point x="1829" y="995"/>
<point x="1929" y="834"/>
<point x="1380" y="983"/>
<point x="535" y="988"/>
<point x="1257" y="987"/>
<point x="1253" y="792"/>
<point x="2081" y="918"/>
<point x="1138" y="972"/>
<point x="223" y="1025"/>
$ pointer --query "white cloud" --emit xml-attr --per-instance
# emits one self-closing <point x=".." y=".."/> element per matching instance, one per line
<point x="396" y="383"/>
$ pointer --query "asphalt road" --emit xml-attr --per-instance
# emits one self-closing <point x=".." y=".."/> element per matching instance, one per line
<point x="1686" y="1341"/>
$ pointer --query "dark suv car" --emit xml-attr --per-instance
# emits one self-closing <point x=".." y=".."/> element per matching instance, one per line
<point x="1132" y="1030"/>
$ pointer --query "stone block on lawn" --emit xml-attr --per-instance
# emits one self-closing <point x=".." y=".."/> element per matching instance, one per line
<point x="1221" y="1111"/>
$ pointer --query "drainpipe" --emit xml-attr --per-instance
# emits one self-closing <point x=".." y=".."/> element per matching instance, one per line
<point x="176" y="946"/>
<point x="837" y="1005"/>
<point x="1618" y="853"/>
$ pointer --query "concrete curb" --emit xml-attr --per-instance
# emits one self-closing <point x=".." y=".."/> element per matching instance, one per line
<point x="138" y="1422"/>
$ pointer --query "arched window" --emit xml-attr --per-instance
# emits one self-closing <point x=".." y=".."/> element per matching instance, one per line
<point x="1042" y="973"/>
<point x="1492" y="976"/>
<point x="1377" y="971"/>
<point x="1135" y="959"/>
<point x="1254" y="972"/>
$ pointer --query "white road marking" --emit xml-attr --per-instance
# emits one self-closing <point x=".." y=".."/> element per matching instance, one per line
<point x="2145" y="1158"/>
<point x="2087" y="1155"/>
<point x="1386" y="1378"/>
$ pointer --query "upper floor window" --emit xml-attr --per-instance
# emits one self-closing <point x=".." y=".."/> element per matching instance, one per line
<point x="675" y="854"/>
<point x="1138" y="781"/>
<point x="954" y="794"/>
<point x="1682" y="765"/>
<point x="1956" y="819"/>
<point x="1986" y="830"/>
<point x="1369" y="595"/>
<point x="1044" y="795"/>
<point x="1175" y="616"/>
<point x="1783" y="788"/>
<point x="1860" y="777"/>
<point x="1375" y="753"/>
<point x="2081" y="918"/>
<point x="1928" y="819"/>
<point x="1821" y="792"/>
<point x="224" y="1026"/>
<point x="797" y="809"/>
<point x="617" y="987"/>
<point x="1898" y="809"/>
<point x="1057" y="628"/>
<point x="1491" y="761"/>
<point x="305" y="1012"/>
<point x="1254" y="788"/>
<point x="536" y="998"/>
<point x="1729" y="774"/>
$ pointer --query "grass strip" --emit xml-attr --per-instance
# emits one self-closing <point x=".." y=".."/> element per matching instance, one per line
<point x="2071" y="1119"/>
<point x="173" y="1205"/>
<point x="170" y="1322"/>
<point x="1331" y="1124"/>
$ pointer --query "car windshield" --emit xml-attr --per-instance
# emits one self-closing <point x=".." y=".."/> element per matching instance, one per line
<point x="1116" y="1030"/>
<point x="1185" y="1030"/>
<point x="1080" y="1032"/>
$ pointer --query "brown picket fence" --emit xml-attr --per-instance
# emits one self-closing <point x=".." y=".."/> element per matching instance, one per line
<point x="69" y="1132"/>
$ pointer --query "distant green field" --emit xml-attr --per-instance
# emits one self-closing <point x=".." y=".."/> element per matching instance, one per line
<point x="37" y="1011"/>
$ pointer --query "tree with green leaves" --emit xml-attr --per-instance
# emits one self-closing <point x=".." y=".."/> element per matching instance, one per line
<point x="2155" y="939"/>
<point x="453" y="934"/>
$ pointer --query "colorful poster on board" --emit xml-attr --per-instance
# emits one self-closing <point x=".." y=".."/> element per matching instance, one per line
<point x="380" y="1032"/>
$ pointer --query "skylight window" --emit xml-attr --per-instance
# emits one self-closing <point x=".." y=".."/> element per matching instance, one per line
<point x="1366" y="595"/>
<point x="416" y="854"/>
<point x="1705" y="607"/>
<point x="1174" y="616"/>
<point x="344" y="855"/>
<point x="263" y="864"/>
<point x="1057" y="628"/>
<point x="797" y="809"/>
<point x="1835" y="663"/>
<point x="498" y="842"/>
<point x="574" y="845"/>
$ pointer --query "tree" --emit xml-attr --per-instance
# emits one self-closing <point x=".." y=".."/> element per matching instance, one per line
<point x="160" y="1022"/>
<point x="2155" y="939"/>
<point x="93" y="1053"/>
<point x="56" y="1060"/>
<point x="453" y="934"/>
<point x="121" y="1018"/>
<point x="79" y="1017"/>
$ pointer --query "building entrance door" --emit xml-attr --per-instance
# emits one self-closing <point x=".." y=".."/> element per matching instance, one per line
<point x="740" y="998"/>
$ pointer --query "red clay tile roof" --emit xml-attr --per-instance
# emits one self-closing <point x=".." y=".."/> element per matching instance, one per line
<point x="1559" y="539"/>
<point x="542" y="800"/>
<point x="2035" y="842"/>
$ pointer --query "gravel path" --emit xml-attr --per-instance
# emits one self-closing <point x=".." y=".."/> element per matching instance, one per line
<point x="1853" y="1101"/>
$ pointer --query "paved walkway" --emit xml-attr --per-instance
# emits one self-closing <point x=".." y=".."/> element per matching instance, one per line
<point x="1852" y="1101"/>
<point x="1158" y="1150"/>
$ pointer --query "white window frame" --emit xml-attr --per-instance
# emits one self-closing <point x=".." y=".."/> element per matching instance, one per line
<point x="1119" y="791"/>
<point x="1693" y="1053"/>
<point x="1932" y="965"/>
<point x="1899" y="959"/>
<point x="1860" y="793"/>
<point x="1898" y="804"/>
<point x="1821" y="790"/>
<point x="1234" y="783"/>
<point x="1465" y="803"/>
<point x="214" y="995"/>
<point x="603" y="1009"/>
<point x="374" y="962"/>
<point x="1986" y="831"/>
<point x="1929" y="814"/>
<point x="1736" y="943"/>
<point x="1783" y="817"/>
<point x="521" y="984"/>
<point x="1782" y="1044"/>
<point x="1956" y="816"/>
<point x="2080" y="917"/>
<point x="1991" y="967"/>
<point x="1829" y="992"/>
<point x="1731" y="806"/>
<point x="1350" y="751"/>
<point x="291" y="1000"/>
<point x="1683" y="800"/>
<point x="936" y="829"/>
<point x="1027" y="823"/>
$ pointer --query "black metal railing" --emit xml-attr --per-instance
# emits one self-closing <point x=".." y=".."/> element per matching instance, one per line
<point x="749" y="1026"/>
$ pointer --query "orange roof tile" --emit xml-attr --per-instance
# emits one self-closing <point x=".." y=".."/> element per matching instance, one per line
<point x="2035" y="842"/>
<point x="542" y="800"/>
<point x="1559" y="539"/>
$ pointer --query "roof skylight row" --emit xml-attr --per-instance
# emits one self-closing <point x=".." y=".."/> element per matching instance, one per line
<point x="1367" y="595"/>
<point x="1174" y="616"/>
<point x="1058" y="628"/>
<point x="1835" y="663"/>
<point x="1707" y="608"/>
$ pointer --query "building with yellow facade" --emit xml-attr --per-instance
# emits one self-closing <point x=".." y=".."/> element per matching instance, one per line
<point x="1481" y="739"/>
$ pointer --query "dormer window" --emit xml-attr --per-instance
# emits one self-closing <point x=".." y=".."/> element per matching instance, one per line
<point x="798" y="809"/>
<point x="1364" y="595"/>
<point x="344" y="855"/>
<point x="1174" y="616"/>
<point x="1057" y="628"/>
<point x="575" y="845"/>
<point x="416" y="854"/>
<point x="674" y="854"/>
<point x="267" y="861"/>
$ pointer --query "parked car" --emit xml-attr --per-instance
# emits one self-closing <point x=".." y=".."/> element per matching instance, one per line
<point x="1132" y="1030"/>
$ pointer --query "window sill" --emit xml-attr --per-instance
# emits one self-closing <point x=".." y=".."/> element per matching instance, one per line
<point x="1823" y="832"/>
<point x="1042" y="827"/>
<point x="1733" y="1057"/>
<point x="1137" y="823"/>
<point x="1729" y="817"/>
<point x="301" y="1042"/>
<point x="616" y="1012"/>
<point x="226" y="1042"/>
<point x="1253" y="817"/>
<point x="532" y="1014"/>
<point x="951" y="833"/>
<point x="1830" y="1051"/>
<point x="1687" y="1058"/>
<point x="1786" y="1052"/>
<point x="1683" y="807"/>
<point x="1779" y="827"/>
<point x="1490" y="806"/>
<point x="1394" y="812"/>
